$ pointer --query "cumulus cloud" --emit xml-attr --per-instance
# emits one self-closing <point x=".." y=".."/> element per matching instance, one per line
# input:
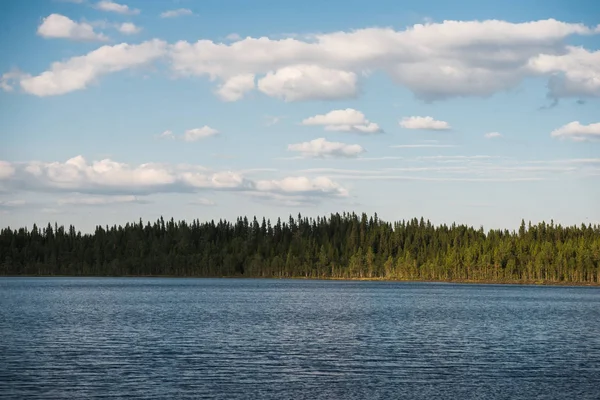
<point x="348" y="120"/>
<point x="322" y="148"/>
<point x="192" y="135"/>
<point x="434" y="60"/>
<point x="128" y="28"/>
<point x="110" y="178"/>
<point x="79" y="72"/>
<point x="300" y="184"/>
<point x="110" y="6"/>
<point x="424" y="123"/>
<point x="59" y="26"/>
<point x="493" y="135"/>
<point x="576" y="73"/>
<point x="578" y="132"/>
<point x="235" y="87"/>
<point x="308" y="82"/>
<point x="176" y="13"/>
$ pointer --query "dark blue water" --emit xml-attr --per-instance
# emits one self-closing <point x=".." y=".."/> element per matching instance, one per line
<point x="278" y="339"/>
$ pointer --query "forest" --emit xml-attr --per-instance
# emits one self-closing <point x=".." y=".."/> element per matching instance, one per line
<point x="343" y="246"/>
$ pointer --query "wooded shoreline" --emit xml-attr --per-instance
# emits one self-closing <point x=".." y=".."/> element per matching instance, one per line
<point x="341" y="246"/>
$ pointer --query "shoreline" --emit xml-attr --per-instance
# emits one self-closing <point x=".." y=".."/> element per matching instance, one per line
<point x="449" y="281"/>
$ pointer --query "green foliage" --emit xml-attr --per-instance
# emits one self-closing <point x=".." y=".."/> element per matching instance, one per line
<point x="341" y="246"/>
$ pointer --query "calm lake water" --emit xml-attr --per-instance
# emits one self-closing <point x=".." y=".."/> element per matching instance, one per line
<point x="64" y="338"/>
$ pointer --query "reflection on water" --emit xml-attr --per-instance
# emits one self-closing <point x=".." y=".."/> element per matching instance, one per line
<point x="279" y="339"/>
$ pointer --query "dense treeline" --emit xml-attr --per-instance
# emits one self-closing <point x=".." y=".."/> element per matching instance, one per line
<point x="341" y="246"/>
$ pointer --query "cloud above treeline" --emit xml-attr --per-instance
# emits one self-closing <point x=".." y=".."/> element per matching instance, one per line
<point x="435" y="61"/>
<point x="108" y="177"/>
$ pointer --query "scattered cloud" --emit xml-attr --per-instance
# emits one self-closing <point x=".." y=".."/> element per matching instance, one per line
<point x="493" y="135"/>
<point x="235" y="87"/>
<point x="192" y="135"/>
<point x="573" y="72"/>
<point x="308" y="82"/>
<point x="8" y="79"/>
<point x="176" y="13"/>
<point x="577" y="132"/>
<point x="124" y="182"/>
<point x="321" y="148"/>
<point x="435" y="61"/>
<point x="302" y="185"/>
<point x="348" y="120"/>
<point x="79" y="72"/>
<point x="110" y="6"/>
<point x="424" y="123"/>
<point x="128" y="28"/>
<point x="168" y="134"/>
<point x="56" y="26"/>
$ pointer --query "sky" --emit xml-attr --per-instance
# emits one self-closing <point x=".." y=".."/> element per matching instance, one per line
<point x="474" y="112"/>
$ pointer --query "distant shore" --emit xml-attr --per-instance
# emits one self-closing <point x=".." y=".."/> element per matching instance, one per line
<point x="450" y="281"/>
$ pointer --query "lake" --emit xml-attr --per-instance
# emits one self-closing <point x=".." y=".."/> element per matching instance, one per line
<point x="157" y="338"/>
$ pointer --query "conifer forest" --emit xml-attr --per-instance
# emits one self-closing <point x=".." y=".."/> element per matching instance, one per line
<point x="343" y="246"/>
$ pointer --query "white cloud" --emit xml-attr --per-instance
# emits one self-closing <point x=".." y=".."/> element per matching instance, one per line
<point x="301" y="184"/>
<point x="573" y="74"/>
<point x="79" y="72"/>
<point x="433" y="60"/>
<point x="6" y="170"/>
<point x="424" y="123"/>
<point x="578" y="132"/>
<point x="235" y="87"/>
<point x="59" y="26"/>
<point x="308" y="82"/>
<point x="8" y="79"/>
<point x="176" y="13"/>
<point x="322" y="148"/>
<point x="129" y="28"/>
<point x="493" y="135"/>
<point x="348" y="120"/>
<point x="110" y="178"/>
<point x="110" y="6"/>
<point x="98" y="200"/>
<point x="168" y="134"/>
<point x="191" y="135"/>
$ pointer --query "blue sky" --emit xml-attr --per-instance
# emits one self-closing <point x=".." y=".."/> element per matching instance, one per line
<point x="483" y="114"/>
